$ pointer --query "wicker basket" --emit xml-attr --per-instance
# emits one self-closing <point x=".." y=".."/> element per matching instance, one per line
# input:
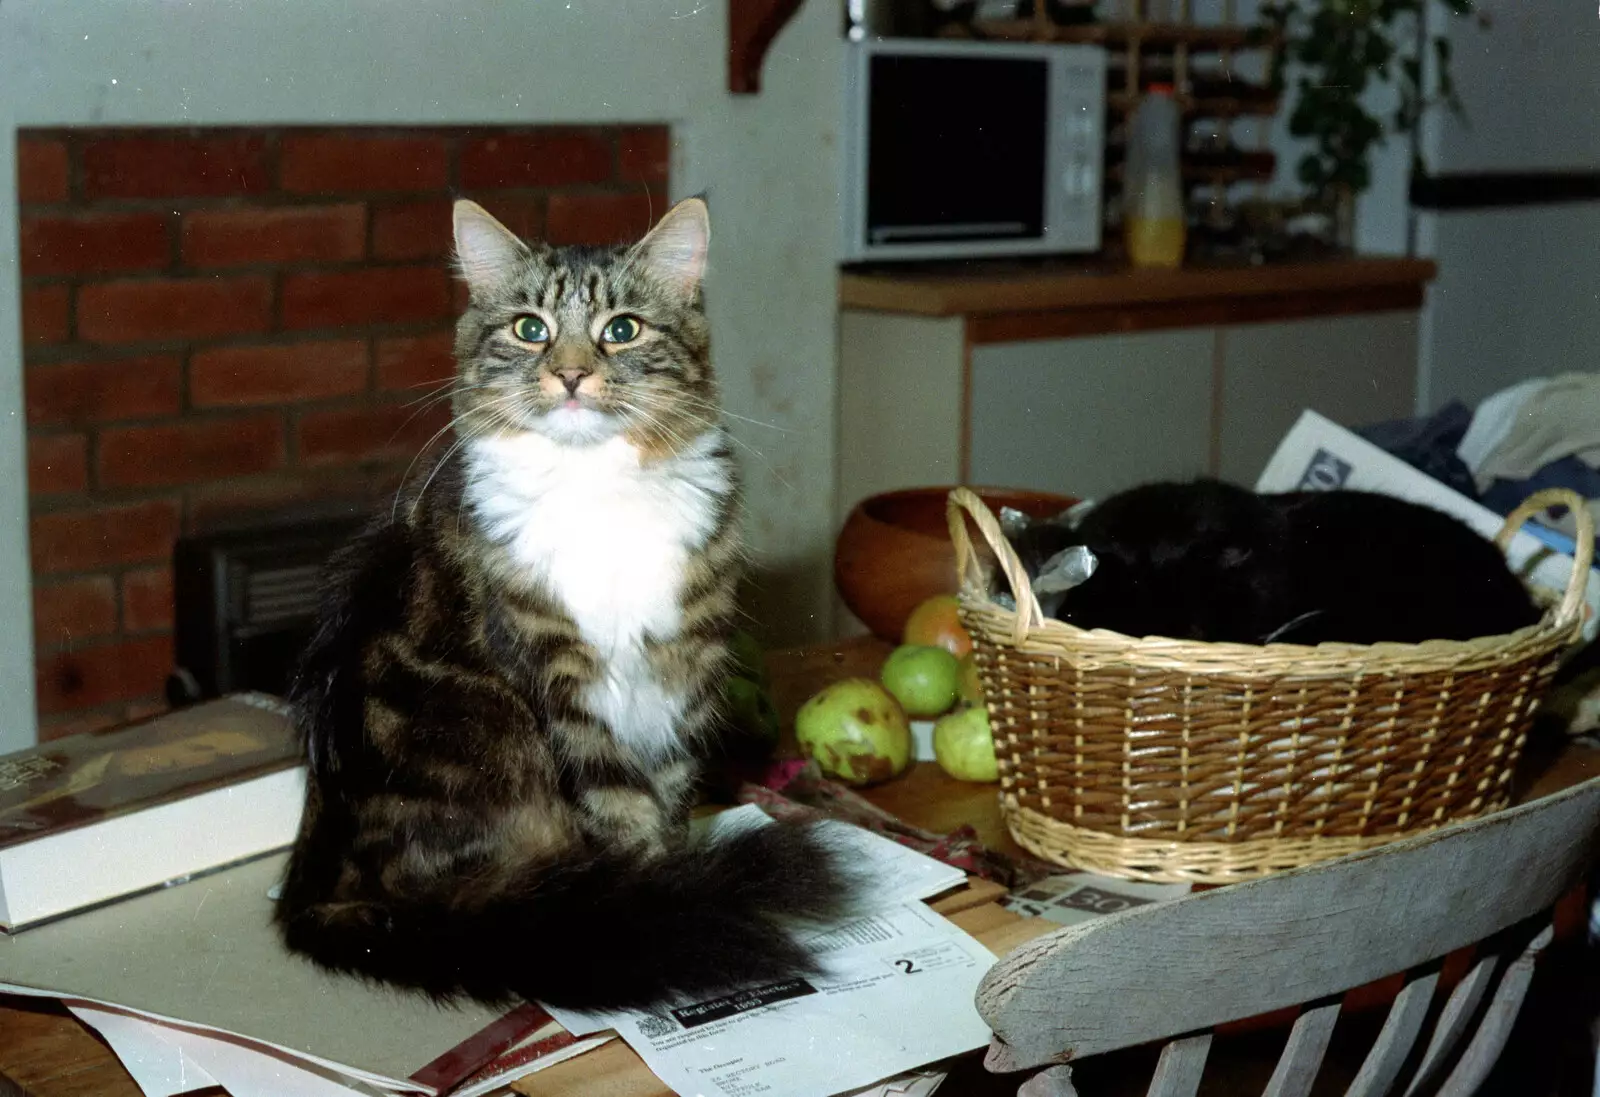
<point x="1173" y="760"/>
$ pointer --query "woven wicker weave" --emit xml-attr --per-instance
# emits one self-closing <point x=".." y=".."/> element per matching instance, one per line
<point x="1174" y="760"/>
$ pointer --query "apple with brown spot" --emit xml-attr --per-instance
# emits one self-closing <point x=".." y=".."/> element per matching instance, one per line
<point x="856" y="731"/>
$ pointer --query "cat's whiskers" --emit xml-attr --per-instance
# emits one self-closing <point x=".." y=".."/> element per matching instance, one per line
<point x="464" y="436"/>
<point x="730" y="436"/>
<point x="655" y="423"/>
<point x="394" y="508"/>
<point x="446" y="385"/>
<point x="450" y="389"/>
<point x="725" y="413"/>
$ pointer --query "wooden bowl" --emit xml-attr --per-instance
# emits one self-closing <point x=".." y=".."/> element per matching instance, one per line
<point x="894" y="551"/>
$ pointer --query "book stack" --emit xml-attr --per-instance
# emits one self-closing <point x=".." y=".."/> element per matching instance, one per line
<point x="93" y="818"/>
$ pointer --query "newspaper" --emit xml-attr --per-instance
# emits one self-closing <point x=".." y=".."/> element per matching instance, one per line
<point x="1076" y="897"/>
<point x="896" y="993"/>
<point x="1319" y="455"/>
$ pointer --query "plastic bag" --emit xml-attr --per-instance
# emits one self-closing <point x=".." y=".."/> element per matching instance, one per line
<point x="1059" y="573"/>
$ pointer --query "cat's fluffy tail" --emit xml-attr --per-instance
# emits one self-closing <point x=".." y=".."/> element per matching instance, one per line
<point x="608" y="932"/>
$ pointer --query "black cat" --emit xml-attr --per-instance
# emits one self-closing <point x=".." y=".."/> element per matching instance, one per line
<point x="1210" y="561"/>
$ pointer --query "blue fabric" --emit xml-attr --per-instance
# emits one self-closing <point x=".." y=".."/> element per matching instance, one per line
<point x="1428" y="444"/>
<point x="1504" y="496"/>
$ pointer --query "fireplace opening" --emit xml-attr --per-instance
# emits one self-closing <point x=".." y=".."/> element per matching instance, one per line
<point x="232" y="338"/>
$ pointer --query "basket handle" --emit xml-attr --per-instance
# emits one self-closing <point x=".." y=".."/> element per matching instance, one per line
<point x="963" y="502"/>
<point x="1582" y="557"/>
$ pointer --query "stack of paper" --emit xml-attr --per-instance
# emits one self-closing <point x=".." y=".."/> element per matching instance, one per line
<point x="1075" y="897"/>
<point x="191" y="987"/>
<point x="897" y="993"/>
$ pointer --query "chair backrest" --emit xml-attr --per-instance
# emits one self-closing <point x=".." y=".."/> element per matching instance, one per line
<point x="1179" y="968"/>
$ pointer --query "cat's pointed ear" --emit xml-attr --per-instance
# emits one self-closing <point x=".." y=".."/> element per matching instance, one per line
<point x="486" y="251"/>
<point x="675" y="250"/>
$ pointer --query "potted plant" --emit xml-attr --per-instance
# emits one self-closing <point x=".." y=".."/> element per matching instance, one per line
<point x="1335" y="50"/>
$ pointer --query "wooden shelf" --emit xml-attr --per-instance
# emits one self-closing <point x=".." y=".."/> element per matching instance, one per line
<point x="1196" y="38"/>
<point x="1211" y="106"/>
<point x="1086" y="286"/>
<point x="1249" y="166"/>
<point x="752" y="25"/>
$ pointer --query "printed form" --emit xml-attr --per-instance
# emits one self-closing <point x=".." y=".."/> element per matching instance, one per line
<point x="896" y="993"/>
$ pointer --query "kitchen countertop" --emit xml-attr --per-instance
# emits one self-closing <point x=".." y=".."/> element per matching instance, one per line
<point x="989" y="288"/>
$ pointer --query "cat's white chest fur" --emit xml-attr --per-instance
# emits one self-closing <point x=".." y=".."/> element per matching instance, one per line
<point x="609" y="536"/>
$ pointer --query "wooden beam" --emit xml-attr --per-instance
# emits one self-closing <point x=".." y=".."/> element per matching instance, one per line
<point x="752" y="25"/>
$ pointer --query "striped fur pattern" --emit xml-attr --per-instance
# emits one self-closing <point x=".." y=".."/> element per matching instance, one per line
<point x="516" y="675"/>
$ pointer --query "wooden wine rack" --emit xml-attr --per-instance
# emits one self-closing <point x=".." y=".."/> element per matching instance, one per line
<point x="1141" y="47"/>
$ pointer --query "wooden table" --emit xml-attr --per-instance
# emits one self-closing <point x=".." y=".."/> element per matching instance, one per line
<point x="47" y="1052"/>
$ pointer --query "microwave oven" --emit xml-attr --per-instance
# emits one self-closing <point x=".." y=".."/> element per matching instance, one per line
<point x="964" y="149"/>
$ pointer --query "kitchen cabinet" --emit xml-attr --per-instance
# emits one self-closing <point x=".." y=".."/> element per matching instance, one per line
<point x="1087" y="383"/>
<point x="1087" y="416"/>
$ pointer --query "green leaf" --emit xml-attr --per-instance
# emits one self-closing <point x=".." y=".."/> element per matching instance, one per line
<point x="1341" y="47"/>
<point x="1310" y="171"/>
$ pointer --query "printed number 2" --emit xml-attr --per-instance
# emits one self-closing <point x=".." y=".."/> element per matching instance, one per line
<point x="907" y="966"/>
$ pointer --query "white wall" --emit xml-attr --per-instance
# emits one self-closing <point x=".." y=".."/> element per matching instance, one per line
<point x="1516" y="293"/>
<point x="1515" y="298"/>
<point x="1381" y="212"/>
<point x="767" y="162"/>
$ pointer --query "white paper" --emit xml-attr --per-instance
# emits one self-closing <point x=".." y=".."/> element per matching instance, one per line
<point x="1075" y="897"/>
<point x="165" y="1060"/>
<point x="919" y="1083"/>
<point x="896" y="873"/>
<point x="245" y="1071"/>
<point x="495" y="1080"/>
<point x="172" y="1025"/>
<point x="158" y="1068"/>
<point x="1318" y="454"/>
<point x="897" y="993"/>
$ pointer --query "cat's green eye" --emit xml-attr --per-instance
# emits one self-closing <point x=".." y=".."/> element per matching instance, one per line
<point x="621" y="329"/>
<point x="530" y="329"/>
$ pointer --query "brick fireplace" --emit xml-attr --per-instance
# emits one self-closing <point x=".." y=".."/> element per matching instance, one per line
<point x="221" y="323"/>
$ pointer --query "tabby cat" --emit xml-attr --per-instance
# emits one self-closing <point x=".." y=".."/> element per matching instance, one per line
<point x="514" y="675"/>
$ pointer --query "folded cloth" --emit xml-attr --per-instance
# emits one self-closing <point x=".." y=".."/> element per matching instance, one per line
<point x="1558" y="418"/>
<point x="1493" y="421"/>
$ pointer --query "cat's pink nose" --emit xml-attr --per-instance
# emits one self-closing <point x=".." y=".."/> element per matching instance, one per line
<point x="572" y="378"/>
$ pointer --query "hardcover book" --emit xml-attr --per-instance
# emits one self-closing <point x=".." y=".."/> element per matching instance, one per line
<point x="91" y="818"/>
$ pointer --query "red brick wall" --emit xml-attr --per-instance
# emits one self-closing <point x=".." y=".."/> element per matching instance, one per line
<point x="224" y="321"/>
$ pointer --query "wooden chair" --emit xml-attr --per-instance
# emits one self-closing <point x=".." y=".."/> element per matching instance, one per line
<point x="1174" y="971"/>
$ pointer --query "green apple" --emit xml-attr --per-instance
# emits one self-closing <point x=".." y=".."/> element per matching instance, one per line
<point x="751" y="711"/>
<point x="964" y="746"/>
<point x="748" y="660"/>
<point x="923" y="679"/>
<point x="856" y="731"/>
<point x="971" y="687"/>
